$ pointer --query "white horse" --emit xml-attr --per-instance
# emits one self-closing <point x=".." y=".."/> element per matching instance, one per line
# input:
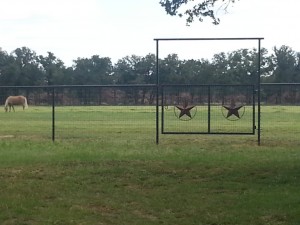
<point x="15" y="100"/>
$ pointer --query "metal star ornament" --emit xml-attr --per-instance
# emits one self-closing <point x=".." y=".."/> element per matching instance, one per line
<point x="185" y="110"/>
<point x="233" y="109"/>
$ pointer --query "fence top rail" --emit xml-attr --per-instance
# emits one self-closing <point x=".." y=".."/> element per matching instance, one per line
<point x="280" y="84"/>
<point x="207" y="85"/>
<point x="83" y="86"/>
<point x="208" y="39"/>
<point x="144" y="85"/>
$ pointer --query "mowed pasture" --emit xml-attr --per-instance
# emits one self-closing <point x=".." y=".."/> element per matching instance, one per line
<point x="105" y="168"/>
<point x="279" y="124"/>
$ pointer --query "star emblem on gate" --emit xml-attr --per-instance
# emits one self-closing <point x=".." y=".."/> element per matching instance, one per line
<point x="233" y="110"/>
<point x="185" y="110"/>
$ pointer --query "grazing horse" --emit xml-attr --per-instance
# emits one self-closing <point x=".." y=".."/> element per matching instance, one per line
<point x="15" y="100"/>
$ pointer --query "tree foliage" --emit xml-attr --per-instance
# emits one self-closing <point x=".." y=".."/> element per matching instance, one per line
<point x="24" y="67"/>
<point x="52" y="68"/>
<point x="94" y="70"/>
<point x="192" y="10"/>
<point x="286" y="62"/>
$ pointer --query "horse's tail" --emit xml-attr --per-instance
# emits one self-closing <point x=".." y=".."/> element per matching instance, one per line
<point x="25" y="103"/>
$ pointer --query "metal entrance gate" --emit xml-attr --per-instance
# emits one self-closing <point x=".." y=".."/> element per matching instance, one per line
<point x="210" y="109"/>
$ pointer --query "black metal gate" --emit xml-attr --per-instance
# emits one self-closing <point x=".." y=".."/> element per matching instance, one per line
<point x="209" y="109"/>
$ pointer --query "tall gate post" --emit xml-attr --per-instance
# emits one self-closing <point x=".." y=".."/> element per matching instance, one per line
<point x="157" y="93"/>
<point x="258" y="91"/>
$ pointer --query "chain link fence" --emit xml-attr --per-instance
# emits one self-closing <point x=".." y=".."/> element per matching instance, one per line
<point x="81" y="113"/>
<point x="124" y="113"/>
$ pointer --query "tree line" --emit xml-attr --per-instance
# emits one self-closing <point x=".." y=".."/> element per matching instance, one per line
<point x="23" y="67"/>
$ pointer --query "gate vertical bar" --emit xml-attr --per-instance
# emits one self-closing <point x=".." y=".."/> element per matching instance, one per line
<point x="157" y="94"/>
<point x="53" y="114"/>
<point x="209" y="108"/>
<point x="258" y="92"/>
<point x="162" y="109"/>
<point x="253" y="110"/>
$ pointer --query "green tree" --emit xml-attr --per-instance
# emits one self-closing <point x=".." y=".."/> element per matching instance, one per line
<point x="243" y="65"/>
<point x="126" y="70"/>
<point x="286" y="63"/>
<point x="26" y="68"/>
<point x="7" y="74"/>
<point x="196" y="9"/>
<point x="145" y="69"/>
<point x="169" y="70"/>
<point x="94" y="70"/>
<point x="136" y="70"/>
<point x="195" y="72"/>
<point x="54" y="69"/>
<point x="7" y="71"/>
<point x="297" y="68"/>
<point x="221" y="68"/>
<point x="240" y="66"/>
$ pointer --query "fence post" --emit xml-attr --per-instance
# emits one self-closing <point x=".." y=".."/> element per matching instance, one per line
<point x="53" y="114"/>
<point x="157" y="93"/>
<point x="258" y="93"/>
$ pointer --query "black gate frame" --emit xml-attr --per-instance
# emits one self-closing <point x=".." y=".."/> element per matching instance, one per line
<point x="258" y="81"/>
<point x="209" y="104"/>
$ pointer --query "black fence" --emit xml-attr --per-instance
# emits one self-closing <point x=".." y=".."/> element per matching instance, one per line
<point x="84" y="94"/>
<point x="98" y="112"/>
<point x="81" y="112"/>
<point x="280" y="94"/>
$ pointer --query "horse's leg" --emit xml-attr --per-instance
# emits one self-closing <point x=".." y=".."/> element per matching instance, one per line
<point x="13" y="107"/>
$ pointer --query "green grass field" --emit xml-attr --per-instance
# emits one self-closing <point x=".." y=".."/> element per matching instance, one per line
<point x="109" y="123"/>
<point x="105" y="168"/>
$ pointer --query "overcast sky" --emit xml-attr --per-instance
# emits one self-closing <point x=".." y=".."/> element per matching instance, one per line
<point x="115" y="29"/>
